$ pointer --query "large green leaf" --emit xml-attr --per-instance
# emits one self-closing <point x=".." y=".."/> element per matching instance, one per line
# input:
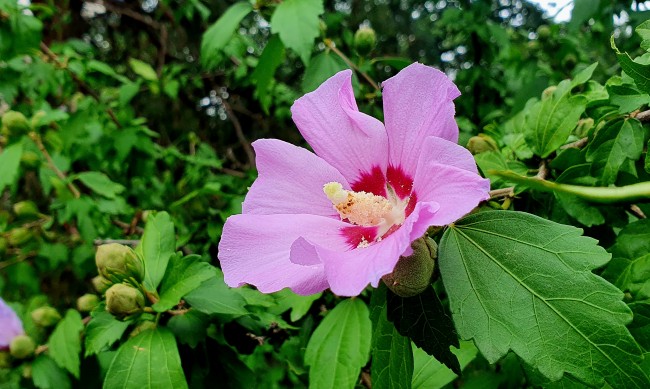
<point x="639" y="72"/>
<point x="46" y="374"/>
<point x="183" y="275"/>
<point x="65" y="342"/>
<point x="550" y="121"/>
<point x="423" y="319"/>
<point x="519" y="282"/>
<point x="219" y="34"/>
<point x="9" y="164"/>
<point x="215" y="297"/>
<point x="149" y="360"/>
<point x="157" y="246"/>
<point x="298" y="24"/>
<point x="100" y="183"/>
<point x="392" y="357"/>
<point x="340" y="346"/>
<point x="102" y="331"/>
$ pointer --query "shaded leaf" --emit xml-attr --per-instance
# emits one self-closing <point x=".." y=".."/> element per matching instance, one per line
<point x="271" y="58"/>
<point x="102" y="331"/>
<point x="183" y="276"/>
<point x="322" y="67"/>
<point x="64" y="344"/>
<point x="220" y="33"/>
<point x="157" y="246"/>
<point x="640" y="73"/>
<point x="100" y="184"/>
<point x="9" y="164"/>
<point x="46" y="374"/>
<point x="428" y="373"/>
<point x="215" y="297"/>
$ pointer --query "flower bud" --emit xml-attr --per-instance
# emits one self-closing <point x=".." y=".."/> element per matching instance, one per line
<point x="14" y="124"/>
<point x="25" y="208"/>
<point x="30" y="159"/>
<point x="117" y="262"/>
<point x="101" y="284"/>
<point x="22" y="346"/>
<point x="412" y="274"/>
<point x="481" y="143"/>
<point x="45" y="316"/>
<point x="19" y="236"/>
<point x="365" y="40"/>
<point x="544" y="32"/>
<point x="123" y="300"/>
<point x="87" y="302"/>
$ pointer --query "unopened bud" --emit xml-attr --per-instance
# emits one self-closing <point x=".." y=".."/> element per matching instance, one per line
<point x="101" y="284"/>
<point x="412" y="274"/>
<point x="45" y="316"/>
<point x="481" y="143"/>
<point x="22" y="346"/>
<point x="544" y="32"/>
<point x="30" y="159"/>
<point x="19" y="236"/>
<point x="87" y="302"/>
<point x="117" y="262"/>
<point x="123" y="300"/>
<point x="365" y="40"/>
<point x="584" y="125"/>
<point x="14" y="124"/>
<point x="25" y="208"/>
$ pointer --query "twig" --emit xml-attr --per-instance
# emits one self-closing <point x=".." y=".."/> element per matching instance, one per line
<point x="240" y="134"/>
<point x="127" y="227"/>
<point x="366" y="380"/>
<point x="543" y="171"/>
<point x="126" y="242"/>
<point x="50" y="162"/>
<point x="131" y="13"/>
<point x="80" y="83"/>
<point x="636" y="211"/>
<point x="331" y="46"/>
<point x="575" y="145"/>
<point x="503" y="192"/>
<point x="642" y="116"/>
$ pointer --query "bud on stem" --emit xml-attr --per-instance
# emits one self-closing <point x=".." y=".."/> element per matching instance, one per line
<point x="412" y="274"/>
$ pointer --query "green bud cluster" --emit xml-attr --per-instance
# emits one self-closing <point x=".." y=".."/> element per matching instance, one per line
<point x="412" y="274"/>
<point x="124" y="301"/>
<point x="14" y="124"/>
<point x="26" y="208"/>
<point x="21" y="347"/>
<point x="117" y="263"/>
<point x="19" y="236"/>
<point x="87" y="302"/>
<point x="45" y="316"/>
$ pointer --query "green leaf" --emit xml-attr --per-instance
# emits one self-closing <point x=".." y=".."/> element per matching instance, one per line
<point x="643" y="30"/>
<point x="392" y="357"/>
<point x="428" y="373"/>
<point x="183" y="276"/>
<point x="189" y="328"/>
<point x="647" y="158"/>
<point x="102" y="331"/>
<point x="634" y="240"/>
<point x="339" y="347"/>
<point x="46" y="374"/>
<point x="286" y="299"/>
<point x="582" y="11"/>
<point x="519" y="282"/>
<point x="143" y="69"/>
<point x="298" y="23"/>
<point x="100" y="184"/>
<point x="220" y="33"/>
<point x="584" y="75"/>
<point x="9" y="164"/>
<point x="148" y="360"/>
<point x="215" y="297"/>
<point x="640" y="73"/>
<point x="549" y="122"/>
<point x="157" y="246"/>
<point x="271" y="58"/>
<point x="64" y="344"/>
<point x="423" y="319"/>
<point x="322" y="67"/>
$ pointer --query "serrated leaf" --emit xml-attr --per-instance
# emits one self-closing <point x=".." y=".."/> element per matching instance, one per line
<point x="102" y="331"/>
<point x="322" y="67"/>
<point x="298" y="24"/>
<point x="340" y="346"/>
<point x="584" y="75"/>
<point x="157" y="246"/>
<point x="423" y="319"/>
<point x="634" y="240"/>
<point x="640" y="73"/>
<point x="643" y="30"/>
<point x="219" y="34"/>
<point x="428" y="373"/>
<point x="64" y="344"/>
<point x="549" y="122"/>
<point x="270" y="59"/>
<point x="143" y="69"/>
<point x="46" y="374"/>
<point x="148" y="360"/>
<point x="100" y="184"/>
<point x="9" y="164"/>
<point x="392" y="357"/>
<point x="519" y="282"/>
<point x="183" y="276"/>
<point x="215" y="297"/>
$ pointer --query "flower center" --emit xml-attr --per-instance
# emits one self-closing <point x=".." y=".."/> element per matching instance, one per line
<point x="367" y="209"/>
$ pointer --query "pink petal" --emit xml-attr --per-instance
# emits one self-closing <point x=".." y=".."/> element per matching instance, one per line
<point x="348" y="273"/>
<point x="457" y="191"/>
<point x="351" y="141"/>
<point x="418" y="103"/>
<point x="290" y="180"/>
<point x="439" y="150"/>
<point x="10" y="325"/>
<point x="255" y="249"/>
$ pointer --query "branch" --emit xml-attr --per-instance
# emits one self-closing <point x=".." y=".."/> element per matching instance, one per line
<point x="50" y="162"/>
<point x="331" y="46"/>
<point x="240" y="134"/>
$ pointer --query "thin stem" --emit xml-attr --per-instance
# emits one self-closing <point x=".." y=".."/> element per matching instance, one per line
<point x="50" y="162"/>
<point x="240" y="134"/>
<point x="330" y="45"/>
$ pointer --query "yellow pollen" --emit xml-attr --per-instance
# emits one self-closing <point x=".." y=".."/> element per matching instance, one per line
<point x="360" y="208"/>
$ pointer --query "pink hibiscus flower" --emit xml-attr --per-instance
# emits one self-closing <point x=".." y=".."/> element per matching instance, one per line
<point x="10" y="325"/>
<point x="342" y="217"/>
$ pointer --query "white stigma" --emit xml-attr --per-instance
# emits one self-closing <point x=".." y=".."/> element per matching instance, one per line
<point x="360" y="208"/>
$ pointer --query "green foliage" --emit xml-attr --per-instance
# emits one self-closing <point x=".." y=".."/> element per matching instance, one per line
<point x="297" y="23"/>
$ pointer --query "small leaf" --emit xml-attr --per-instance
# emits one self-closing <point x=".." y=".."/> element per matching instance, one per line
<point x="634" y="240"/>
<point x="64" y="344"/>
<point x="220" y="33"/>
<point x="584" y="75"/>
<point x="519" y="282"/>
<point x="392" y="357"/>
<point x="298" y="23"/>
<point x="322" y="67"/>
<point x="215" y="297"/>
<point x="271" y="58"/>
<point x="428" y="373"/>
<point x="102" y="331"/>
<point x="9" y="164"/>
<point x="423" y="319"/>
<point x="339" y="347"/>
<point x="148" y="360"/>
<point x="643" y="30"/>
<point x="189" y="328"/>
<point x="143" y="69"/>
<point x="100" y="184"/>
<point x="46" y="374"/>
<point x="157" y="246"/>
<point x="182" y="276"/>
<point x="640" y="73"/>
